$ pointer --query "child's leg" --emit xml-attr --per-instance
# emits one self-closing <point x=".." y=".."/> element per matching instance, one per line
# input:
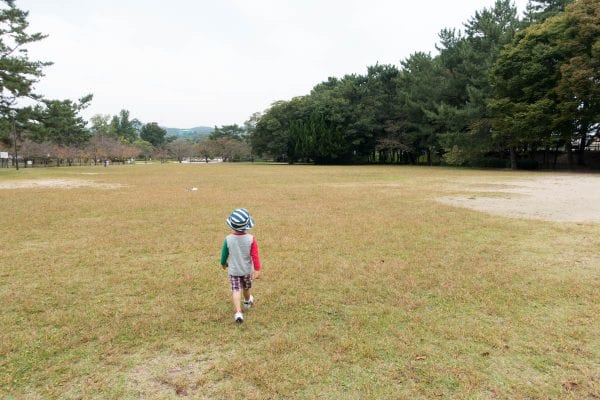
<point x="247" y="286"/>
<point x="236" y="292"/>
<point x="237" y="300"/>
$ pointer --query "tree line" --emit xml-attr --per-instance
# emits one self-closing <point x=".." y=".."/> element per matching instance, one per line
<point x="502" y="92"/>
<point x="52" y="131"/>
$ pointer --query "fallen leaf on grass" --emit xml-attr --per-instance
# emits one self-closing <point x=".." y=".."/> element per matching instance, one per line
<point x="181" y="391"/>
<point x="569" y="385"/>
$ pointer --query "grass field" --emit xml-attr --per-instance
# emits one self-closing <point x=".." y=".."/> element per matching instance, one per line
<point x="370" y="289"/>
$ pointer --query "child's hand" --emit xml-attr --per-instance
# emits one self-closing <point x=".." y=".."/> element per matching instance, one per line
<point x="224" y="266"/>
<point x="256" y="274"/>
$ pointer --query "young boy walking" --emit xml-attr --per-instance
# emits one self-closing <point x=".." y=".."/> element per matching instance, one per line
<point x="240" y="256"/>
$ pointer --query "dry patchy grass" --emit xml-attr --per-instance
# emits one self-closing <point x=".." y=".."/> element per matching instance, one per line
<point x="370" y="289"/>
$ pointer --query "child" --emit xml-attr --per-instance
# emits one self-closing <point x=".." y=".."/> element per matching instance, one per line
<point x="240" y="256"/>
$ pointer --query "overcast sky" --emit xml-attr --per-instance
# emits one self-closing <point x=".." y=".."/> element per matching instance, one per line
<point x="185" y="63"/>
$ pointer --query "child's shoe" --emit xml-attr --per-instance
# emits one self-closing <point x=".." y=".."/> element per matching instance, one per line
<point x="249" y="303"/>
<point x="238" y="317"/>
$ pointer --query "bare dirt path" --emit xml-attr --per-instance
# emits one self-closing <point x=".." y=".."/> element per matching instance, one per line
<point x="573" y="198"/>
<point x="56" y="183"/>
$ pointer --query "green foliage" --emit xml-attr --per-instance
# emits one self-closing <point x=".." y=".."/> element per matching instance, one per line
<point x="18" y="74"/>
<point x="418" y="90"/>
<point x="5" y="132"/>
<point x="271" y="133"/>
<point x="392" y="115"/>
<point x="318" y="140"/>
<point x="578" y="90"/>
<point x="153" y="133"/>
<point x="124" y="127"/>
<point x="462" y="115"/>
<point x="58" y="121"/>
<point x="538" y="11"/>
<point x="500" y="86"/>
<point x="228" y="131"/>
<point x="101" y="125"/>
<point x="339" y="122"/>
<point x="145" y="147"/>
<point x="546" y="82"/>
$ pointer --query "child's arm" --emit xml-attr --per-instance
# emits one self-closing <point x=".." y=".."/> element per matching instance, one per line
<point x="224" y="254"/>
<point x="255" y="258"/>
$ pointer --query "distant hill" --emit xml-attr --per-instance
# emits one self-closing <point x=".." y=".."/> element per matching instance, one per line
<point x="191" y="133"/>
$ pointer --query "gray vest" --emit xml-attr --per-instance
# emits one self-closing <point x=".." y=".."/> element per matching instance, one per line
<point x="239" y="260"/>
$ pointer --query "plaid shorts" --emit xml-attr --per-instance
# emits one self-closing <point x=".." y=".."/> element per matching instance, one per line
<point x="240" y="282"/>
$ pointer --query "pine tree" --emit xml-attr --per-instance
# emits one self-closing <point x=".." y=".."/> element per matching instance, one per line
<point x="538" y="11"/>
<point x="18" y="74"/>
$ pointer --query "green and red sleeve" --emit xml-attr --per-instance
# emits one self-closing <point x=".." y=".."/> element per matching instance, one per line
<point x="254" y="255"/>
<point x="224" y="253"/>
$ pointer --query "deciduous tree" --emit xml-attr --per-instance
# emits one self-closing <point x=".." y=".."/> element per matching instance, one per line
<point x="546" y="82"/>
<point x="180" y="148"/>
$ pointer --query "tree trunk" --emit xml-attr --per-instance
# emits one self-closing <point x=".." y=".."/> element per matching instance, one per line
<point x="582" y="142"/>
<point x="569" y="154"/>
<point x="532" y="151"/>
<point x="513" y="158"/>
<point x="15" y="142"/>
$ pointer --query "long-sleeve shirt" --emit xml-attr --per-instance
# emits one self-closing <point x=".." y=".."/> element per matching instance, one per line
<point x="240" y="253"/>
